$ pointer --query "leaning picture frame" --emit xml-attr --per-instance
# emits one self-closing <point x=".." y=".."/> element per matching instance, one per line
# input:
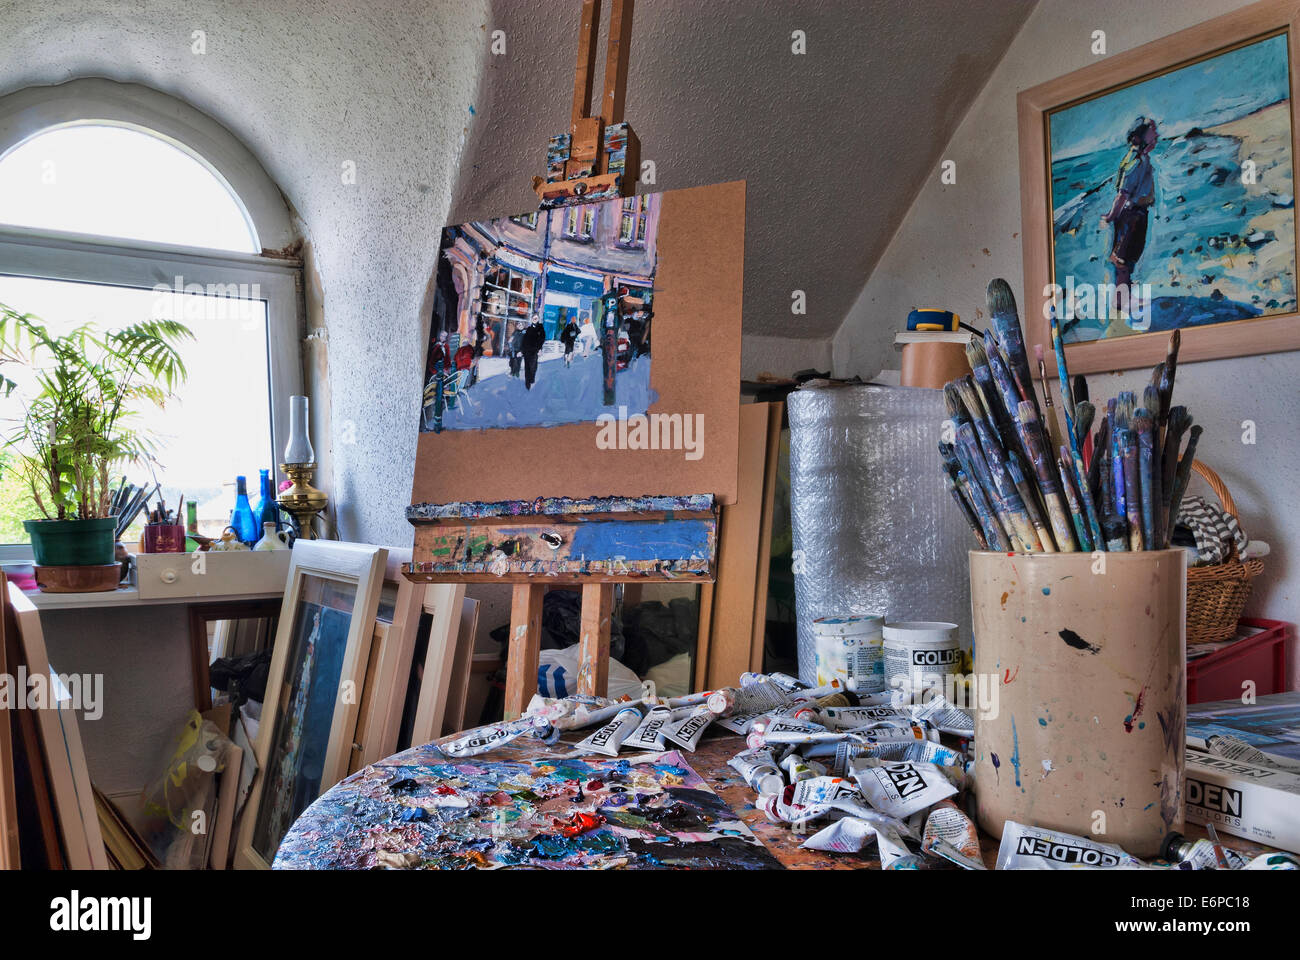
<point x="1197" y="132"/>
<point x="313" y="689"/>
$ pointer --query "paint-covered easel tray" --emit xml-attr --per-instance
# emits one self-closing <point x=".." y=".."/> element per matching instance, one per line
<point x="423" y="810"/>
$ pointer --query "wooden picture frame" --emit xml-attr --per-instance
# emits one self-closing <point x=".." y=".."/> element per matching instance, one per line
<point x="1234" y="338"/>
<point x="65" y="757"/>
<point x="10" y="855"/>
<point x="318" y="568"/>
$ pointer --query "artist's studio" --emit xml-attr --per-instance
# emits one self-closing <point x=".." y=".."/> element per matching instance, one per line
<point x="651" y="436"/>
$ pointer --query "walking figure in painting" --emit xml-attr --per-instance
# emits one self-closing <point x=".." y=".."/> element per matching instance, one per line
<point x="569" y="337"/>
<point x="533" y="339"/>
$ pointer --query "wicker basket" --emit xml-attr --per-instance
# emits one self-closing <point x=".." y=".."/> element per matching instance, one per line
<point x="1217" y="594"/>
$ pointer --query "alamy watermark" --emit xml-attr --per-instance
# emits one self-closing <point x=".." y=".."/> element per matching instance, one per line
<point x="654" y="431"/>
<point x="51" y="691"/>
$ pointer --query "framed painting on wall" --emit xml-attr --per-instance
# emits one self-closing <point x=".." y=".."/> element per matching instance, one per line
<point x="313" y="688"/>
<point x="1157" y="193"/>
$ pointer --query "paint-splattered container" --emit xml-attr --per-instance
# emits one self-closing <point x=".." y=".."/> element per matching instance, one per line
<point x="849" y="650"/>
<point x="1086" y="732"/>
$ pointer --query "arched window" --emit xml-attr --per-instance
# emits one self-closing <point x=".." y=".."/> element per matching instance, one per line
<point x="117" y="204"/>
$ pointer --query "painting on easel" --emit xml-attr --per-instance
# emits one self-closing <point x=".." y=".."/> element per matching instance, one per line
<point x="544" y="318"/>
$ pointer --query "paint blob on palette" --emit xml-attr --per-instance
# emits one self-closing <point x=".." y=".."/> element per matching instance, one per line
<point x="422" y="810"/>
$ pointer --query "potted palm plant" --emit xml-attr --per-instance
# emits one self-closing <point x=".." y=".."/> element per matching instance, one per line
<point x="78" y="424"/>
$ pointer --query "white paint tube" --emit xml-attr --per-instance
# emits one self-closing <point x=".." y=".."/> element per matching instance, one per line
<point x="1234" y="748"/>
<point x="483" y="739"/>
<point x="822" y="790"/>
<point x="800" y="737"/>
<point x="574" y="713"/>
<point x="896" y="751"/>
<point x="845" y="835"/>
<point x="756" y="698"/>
<point x="758" y="769"/>
<point x="687" y="731"/>
<point x="1277" y="860"/>
<point x="688" y="700"/>
<point x="1037" y="848"/>
<point x="900" y="789"/>
<point x="608" y="738"/>
<point x="894" y="854"/>
<point x="740" y="723"/>
<point x="797" y="768"/>
<point x="950" y="834"/>
<point x="945" y="717"/>
<point x="759" y="730"/>
<point x="649" y="733"/>
<point x="786" y="681"/>
<point x="851" y="718"/>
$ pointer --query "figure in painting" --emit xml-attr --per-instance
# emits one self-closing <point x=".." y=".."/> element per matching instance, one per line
<point x="1135" y="189"/>
<point x="569" y="337"/>
<point x="531" y="346"/>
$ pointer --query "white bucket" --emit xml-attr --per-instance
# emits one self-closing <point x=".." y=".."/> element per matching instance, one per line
<point x="920" y="654"/>
<point x="849" y="650"/>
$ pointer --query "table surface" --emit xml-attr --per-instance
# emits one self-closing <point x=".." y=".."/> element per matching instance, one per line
<point x="710" y="762"/>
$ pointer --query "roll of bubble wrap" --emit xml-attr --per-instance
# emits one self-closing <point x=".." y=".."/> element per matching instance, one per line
<point x="875" y="530"/>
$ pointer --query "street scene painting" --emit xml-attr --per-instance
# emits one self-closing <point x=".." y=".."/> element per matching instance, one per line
<point x="543" y="319"/>
<point x="1173" y="198"/>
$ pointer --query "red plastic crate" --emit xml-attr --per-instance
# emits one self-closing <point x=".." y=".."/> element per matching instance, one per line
<point x="1261" y="658"/>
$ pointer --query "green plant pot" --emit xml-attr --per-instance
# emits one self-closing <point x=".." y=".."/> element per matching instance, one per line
<point x="72" y="543"/>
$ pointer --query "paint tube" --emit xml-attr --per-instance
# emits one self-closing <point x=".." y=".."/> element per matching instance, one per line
<point x="901" y="751"/>
<point x="757" y="698"/>
<point x="1274" y="861"/>
<point x="845" y="835"/>
<point x="649" y="733"/>
<point x="950" y="834"/>
<point x="1234" y="748"/>
<point x="687" y="731"/>
<point x="1199" y="854"/>
<point x="758" y="769"/>
<point x="850" y="718"/>
<point x="1037" y="848"/>
<point x="740" y="722"/>
<point x="786" y="681"/>
<point x="776" y="727"/>
<point x="900" y="789"/>
<point x="608" y="738"/>
<point x="483" y="739"/>
<point x="797" y="768"/>
<point x="946" y="718"/>
<point x="574" y="713"/>
<point x="894" y="854"/>
<point x="821" y="791"/>
<point x="688" y="700"/>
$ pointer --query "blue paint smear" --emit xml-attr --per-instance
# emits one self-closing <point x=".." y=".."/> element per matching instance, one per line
<point x="1042" y="722"/>
<point x="672" y="539"/>
<point x="1015" y="750"/>
<point x="1047" y="591"/>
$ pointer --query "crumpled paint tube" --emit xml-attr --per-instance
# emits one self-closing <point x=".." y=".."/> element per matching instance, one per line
<point x="483" y="739"/>
<point x="945" y="717"/>
<point x="765" y="731"/>
<point x="1234" y="748"/>
<point x="756" y="698"/>
<point x="851" y="718"/>
<point x="894" y="854"/>
<point x="846" y="835"/>
<point x="950" y="834"/>
<point x="894" y="751"/>
<point x="741" y="722"/>
<point x="687" y="731"/>
<point x="759" y="770"/>
<point x="1274" y="861"/>
<point x="1037" y="848"/>
<point x="900" y="789"/>
<point x="573" y="713"/>
<point x="608" y="738"/>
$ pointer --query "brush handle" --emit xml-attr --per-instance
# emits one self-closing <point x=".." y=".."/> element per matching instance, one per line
<point x="1012" y="341"/>
<point x="1132" y="489"/>
<point x="998" y="486"/>
<point x="1028" y="496"/>
<point x="1119" y="491"/>
<point x="1076" y="510"/>
<point x="1180" y="481"/>
<point x="1149" y="466"/>
<point x="967" y="510"/>
<point x="1169" y="466"/>
<point x="994" y="535"/>
<point x="1080" y="477"/>
<point x="1049" y="483"/>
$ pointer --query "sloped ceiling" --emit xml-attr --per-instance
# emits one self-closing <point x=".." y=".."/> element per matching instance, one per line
<point x="834" y="143"/>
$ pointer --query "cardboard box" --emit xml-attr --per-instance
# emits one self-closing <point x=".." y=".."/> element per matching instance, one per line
<point x="1258" y="803"/>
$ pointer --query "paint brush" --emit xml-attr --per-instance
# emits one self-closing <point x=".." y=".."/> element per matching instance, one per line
<point x="1181" y="479"/>
<point x="1049" y="408"/>
<point x="983" y="493"/>
<point x="1167" y="374"/>
<point x="1005" y="321"/>
<point x="993" y="532"/>
<point x="1084" y="411"/>
<point x="1029" y="496"/>
<point x="1144" y="426"/>
<point x="1081" y="396"/>
<point x="1071" y="495"/>
<point x="967" y="511"/>
<point x="1049" y="481"/>
<point x="1132" y="488"/>
<point x="1179" y="422"/>
<point x="993" y="475"/>
<point x="1080" y="476"/>
<point x="1096" y="466"/>
<point x="994" y="409"/>
<point x="1119" y="423"/>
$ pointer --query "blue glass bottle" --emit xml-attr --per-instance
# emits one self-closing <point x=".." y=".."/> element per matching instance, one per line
<point x="241" y="518"/>
<point x="266" y="510"/>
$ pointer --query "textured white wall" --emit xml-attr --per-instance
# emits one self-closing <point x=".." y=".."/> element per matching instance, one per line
<point x="955" y="238"/>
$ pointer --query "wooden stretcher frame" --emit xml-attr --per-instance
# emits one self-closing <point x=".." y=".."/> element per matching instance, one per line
<point x="362" y="566"/>
<point x="65" y="757"/>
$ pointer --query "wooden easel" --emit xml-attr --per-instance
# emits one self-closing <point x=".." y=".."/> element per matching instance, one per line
<point x="598" y="159"/>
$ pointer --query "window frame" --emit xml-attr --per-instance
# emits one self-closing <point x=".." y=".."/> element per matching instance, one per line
<point x="60" y="256"/>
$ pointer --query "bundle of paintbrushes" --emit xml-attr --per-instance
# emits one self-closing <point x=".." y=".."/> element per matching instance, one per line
<point x="1032" y="479"/>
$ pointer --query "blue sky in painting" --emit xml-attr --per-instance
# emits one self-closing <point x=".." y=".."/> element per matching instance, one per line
<point x="1213" y="91"/>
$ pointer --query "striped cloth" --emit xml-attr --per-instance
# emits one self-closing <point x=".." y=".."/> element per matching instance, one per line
<point x="1214" y="530"/>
